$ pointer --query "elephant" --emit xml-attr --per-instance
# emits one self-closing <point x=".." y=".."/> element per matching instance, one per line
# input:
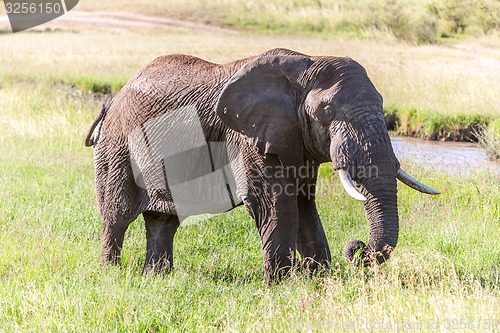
<point x="185" y="136"/>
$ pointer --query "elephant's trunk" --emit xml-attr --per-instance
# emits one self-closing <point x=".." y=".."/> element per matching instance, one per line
<point x="374" y="166"/>
<point x="382" y="213"/>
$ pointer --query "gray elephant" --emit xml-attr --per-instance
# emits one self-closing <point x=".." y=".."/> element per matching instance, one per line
<point x="185" y="136"/>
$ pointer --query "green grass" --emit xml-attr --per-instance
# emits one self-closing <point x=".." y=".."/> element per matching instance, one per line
<point x="446" y="267"/>
<point x="432" y="125"/>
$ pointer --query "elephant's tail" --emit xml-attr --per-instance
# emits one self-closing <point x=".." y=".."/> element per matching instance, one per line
<point x="89" y="140"/>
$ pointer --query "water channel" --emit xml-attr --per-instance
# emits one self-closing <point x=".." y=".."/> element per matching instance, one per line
<point x="454" y="157"/>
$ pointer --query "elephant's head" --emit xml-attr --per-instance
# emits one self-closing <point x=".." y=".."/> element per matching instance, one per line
<point x="324" y="109"/>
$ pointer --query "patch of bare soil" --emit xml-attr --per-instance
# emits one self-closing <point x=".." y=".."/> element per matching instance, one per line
<point x="121" y="21"/>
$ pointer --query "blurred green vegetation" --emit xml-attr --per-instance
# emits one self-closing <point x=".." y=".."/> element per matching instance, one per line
<point x="416" y="22"/>
<point x="412" y="21"/>
<point x="432" y="125"/>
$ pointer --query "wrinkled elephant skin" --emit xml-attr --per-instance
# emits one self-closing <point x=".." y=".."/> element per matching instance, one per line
<point x="185" y="136"/>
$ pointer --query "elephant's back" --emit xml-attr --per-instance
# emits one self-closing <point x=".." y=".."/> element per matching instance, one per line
<point x="168" y="83"/>
<point x="181" y="68"/>
<point x="172" y="73"/>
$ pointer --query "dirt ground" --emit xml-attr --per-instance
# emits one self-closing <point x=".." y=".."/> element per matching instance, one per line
<point x="117" y="21"/>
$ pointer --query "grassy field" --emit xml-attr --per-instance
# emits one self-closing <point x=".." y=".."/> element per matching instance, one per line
<point x="445" y="273"/>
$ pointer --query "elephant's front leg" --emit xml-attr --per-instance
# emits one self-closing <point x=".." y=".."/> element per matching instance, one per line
<point x="311" y="243"/>
<point x="272" y="202"/>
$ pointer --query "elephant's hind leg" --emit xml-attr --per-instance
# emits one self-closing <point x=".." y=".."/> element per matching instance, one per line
<point x="112" y="242"/>
<point x="160" y="231"/>
<point x="118" y="205"/>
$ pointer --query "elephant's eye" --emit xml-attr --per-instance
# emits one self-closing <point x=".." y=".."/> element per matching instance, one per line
<point x="329" y="110"/>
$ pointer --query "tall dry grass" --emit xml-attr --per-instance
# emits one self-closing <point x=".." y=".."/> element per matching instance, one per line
<point x="443" y="79"/>
<point x="420" y="22"/>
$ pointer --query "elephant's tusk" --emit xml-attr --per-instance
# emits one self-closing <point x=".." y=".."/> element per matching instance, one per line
<point x="346" y="180"/>
<point x="415" y="184"/>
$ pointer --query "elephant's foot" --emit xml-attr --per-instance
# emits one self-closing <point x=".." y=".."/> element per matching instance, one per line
<point x="278" y="274"/>
<point x="112" y="242"/>
<point x="311" y="267"/>
<point x="160" y="231"/>
<point x="161" y="265"/>
<point x="111" y="249"/>
<point x="110" y="256"/>
<point x="308" y="266"/>
<point x="278" y="268"/>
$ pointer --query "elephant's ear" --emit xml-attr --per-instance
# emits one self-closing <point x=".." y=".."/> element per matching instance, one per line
<point x="260" y="101"/>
